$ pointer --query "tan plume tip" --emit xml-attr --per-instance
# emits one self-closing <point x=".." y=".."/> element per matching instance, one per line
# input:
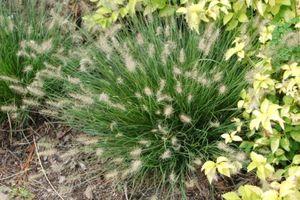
<point x="138" y="95"/>
<point x="158" y="31"/>
<point x="45" y="46"/>
<point x="174" y="141"/>
<point x="83" y="98"/>
<point x="197" y="162"/>
<point x="28" y="68"/>
<point x="189" y="98"/>
<point x="118" y="160"/>
<point x="99" y="152"/>
<point x="185" y="118"/>
<point x="104" y="45"/>
<point x="9" y="108"/>
<point x="144" y="142"/>
<point x="30" y="102"/>
<point x="48" y="112"/>
<point x="167" y="31"/>
<point x="191" y="183"/>
<point x="84" y="64"/>
<point x="9" y="79"/>
<point x="19" y="89"/>
<point x="218" y="76"/>
<point x="182" y="56"/>
<point x="167" y="154"/>
<point x="151" y="50"/>
<point x="136" y="152"/>
<point x="86" y="140"/>
<point x="120" y="80"/>
<point x="168" y="111"/>
<point x="36" y="91"/>
<point x="154" y="197"/>
<point x="140" y="39"/>
<point x="172" y="177"/>
<point x="129" y="63"/>
<point x="49" y="152"/>
<point x="147" y="91"/>
<point x="222" y="89"/>
<point x="177" y="71"/>
<point x="104" y="97"/>
<point x="69" y="153"/>
<point x="111" y="175"/>
<point x="135" y="165"/>
<point x="214" y="124"/>
<point x="73" y="80"/>
<point x="178" y="88"/>
<point x="241" y="156"/>
<point x="118" y="135"/>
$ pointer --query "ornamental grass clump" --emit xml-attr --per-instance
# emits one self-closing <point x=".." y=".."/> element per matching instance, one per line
<point x="159" y="97"/>
<point x="31" y="40"/>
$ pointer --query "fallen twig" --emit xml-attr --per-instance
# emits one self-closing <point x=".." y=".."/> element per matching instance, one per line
<point x="43" y="170"/>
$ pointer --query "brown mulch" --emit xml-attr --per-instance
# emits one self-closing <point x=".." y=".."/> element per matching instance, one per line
<point x="72" y="177"/>
<point x="58" y="171"/>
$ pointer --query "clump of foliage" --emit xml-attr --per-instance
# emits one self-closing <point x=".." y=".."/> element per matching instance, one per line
<point x="270" y="119"/>
<point x="20" y="193"/>
<point x="231" y="12"/>
<point x="31" y="39"/>
<point x="159" y="97"/>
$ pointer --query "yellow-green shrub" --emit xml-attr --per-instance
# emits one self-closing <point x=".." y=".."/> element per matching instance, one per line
<point x="232" y="12"/>
<point x="271" y="121"/>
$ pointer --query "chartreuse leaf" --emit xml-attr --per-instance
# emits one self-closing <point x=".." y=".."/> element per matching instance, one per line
<point x="224" y="168"/>
<point x="278" y="174"/>
<point x="194" y="14"/>
<point x="261" y="7"/>
<point x="231" y="196"/>
<point x="123" y="11"/>
<point x="250" y="192"/>
<point x="209" y="168"/>
<point x="295" y="135"/>
<point x="285" y="143"/>
<point x="296" y="159"/>
<point x="167" y="11"/>
<point x="131" y="6"/>
<point x="286" y="188"/>
<point x="232" y="24"/>
<point x="275" y="141"/>
<point x="243" y="17"/>
<point x="259" y="162"/>
<point x="230" y="137"/>
<point x="227" y="18"/>
<point x="237" y="49"/>
<point x="183" y="1"/>
<point x="222" y="165"/>
<point x="270" y="195"/>
<point x="268" y="112"/>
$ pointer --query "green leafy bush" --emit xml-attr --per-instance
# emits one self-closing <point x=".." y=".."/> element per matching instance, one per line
<point x="159" y="97"/>
<point x="30" y="41"/>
